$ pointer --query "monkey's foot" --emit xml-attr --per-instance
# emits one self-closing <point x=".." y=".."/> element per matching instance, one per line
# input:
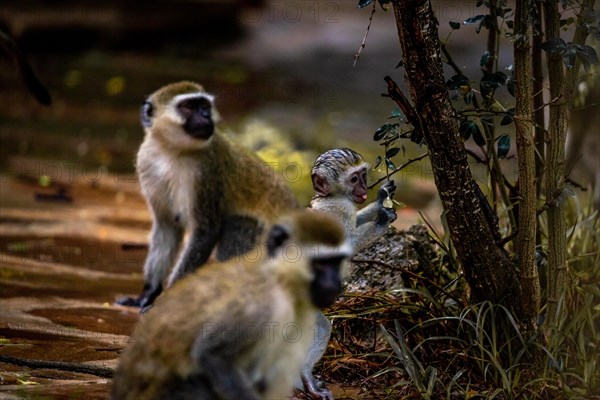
<point x="316" y="389"/>
<point x="146" y="308"/>
<point x="128" y="301"/>
<point x="144" y="300"/>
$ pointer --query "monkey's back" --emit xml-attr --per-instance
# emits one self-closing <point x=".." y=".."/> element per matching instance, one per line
<point x="205" y="311"/>
<point x="254" y="184"/>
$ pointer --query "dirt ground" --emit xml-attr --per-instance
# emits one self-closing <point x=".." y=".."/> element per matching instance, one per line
<point x="67" y="251"/>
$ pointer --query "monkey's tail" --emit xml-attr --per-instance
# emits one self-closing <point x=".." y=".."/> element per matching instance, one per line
<point x="104" y="372"/>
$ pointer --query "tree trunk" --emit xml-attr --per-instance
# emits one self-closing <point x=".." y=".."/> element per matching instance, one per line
<point x="488" y="269"/>
<point x="529" y="278"/>
<point x="561" y="90"/>
<point x="538" y="102"/>
<point x="555" y="170"/>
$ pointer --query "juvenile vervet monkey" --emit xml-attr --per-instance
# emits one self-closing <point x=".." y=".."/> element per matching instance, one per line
<point x="339" y="179"/>
<point x="197" y="181"/>
<point x="246" y="325"/>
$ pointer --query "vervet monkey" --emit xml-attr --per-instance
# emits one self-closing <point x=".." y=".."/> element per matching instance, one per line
<point x="197" y="181"/>
<point x="240" y="329"/>
<point x="339" y="179"/>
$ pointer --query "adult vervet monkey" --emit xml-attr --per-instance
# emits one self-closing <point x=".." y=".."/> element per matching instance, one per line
<point x="240" y="329"/>
<point x="198" y="182"/>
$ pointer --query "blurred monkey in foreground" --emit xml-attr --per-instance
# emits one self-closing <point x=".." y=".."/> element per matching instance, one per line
<point x="239" y="330"/>
<point x="197" y="181"/>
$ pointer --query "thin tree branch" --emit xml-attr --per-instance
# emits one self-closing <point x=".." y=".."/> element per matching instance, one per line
<point x="364" y="42"/>
<point x="398" y="169"/>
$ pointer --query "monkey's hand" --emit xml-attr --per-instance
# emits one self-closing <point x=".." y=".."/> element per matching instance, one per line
<point x="386" y="216"/>
<point x="386" y="190"/>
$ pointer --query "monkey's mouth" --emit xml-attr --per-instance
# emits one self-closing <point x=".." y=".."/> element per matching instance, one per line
<point x="359" y="199"/>
<point x="199" y="131"/>
<point x="326" y="298"/>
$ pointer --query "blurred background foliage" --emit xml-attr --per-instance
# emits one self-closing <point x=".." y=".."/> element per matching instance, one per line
<point x="282" y="73"/>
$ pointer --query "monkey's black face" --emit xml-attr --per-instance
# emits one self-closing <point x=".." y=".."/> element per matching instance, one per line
<point x="327" y="283"/>
<point x="197" y="114"/>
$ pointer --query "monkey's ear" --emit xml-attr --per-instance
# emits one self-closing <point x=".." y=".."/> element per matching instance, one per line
<point x="146" y="113"/>
<point x="277" y="237"/>
<point x="320" y="185"/>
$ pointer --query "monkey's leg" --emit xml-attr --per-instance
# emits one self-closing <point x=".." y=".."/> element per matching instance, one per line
<point x="225" y="378"/>
<point x="164" y="244"/>
<point x="315" y="388"/>
<point x="194" y="387"/>
<point x="238" y="236"/>
<point x="197" y="250"/>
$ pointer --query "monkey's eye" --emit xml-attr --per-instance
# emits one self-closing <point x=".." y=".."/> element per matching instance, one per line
<point x="354" y="179"/>
<point x="146" y="113"/>
<point x="195" y="105"/>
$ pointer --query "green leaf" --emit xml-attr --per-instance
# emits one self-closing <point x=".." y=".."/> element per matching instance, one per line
<point x="510" y="85"/>
<point x="587" y="54"/>
<point x="466" y="128"/>
<point x="485" y="58"/>
<point x="390" y="164"/>
<point x="396" y="113"/>
<point x="569" y="56"/>
<point x="489" y="82"/>
<point x="477" y="136"/>
<point x="454" y="25"/>
<point x="503" y="146"/>
<point x="392" y="152"/>
<point x="507" y="119"/>
<point x="378" y="161"/>
<point x="474" y="20"/>
<point x="383" y="130"/>
<point x="457" y="81"/>
<point x="500" y="77"/>
<point x="416" y="136"/>
<point x="488" y="22"/>
<point x="554" y="46"/>
<point x="364" y="3"/>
